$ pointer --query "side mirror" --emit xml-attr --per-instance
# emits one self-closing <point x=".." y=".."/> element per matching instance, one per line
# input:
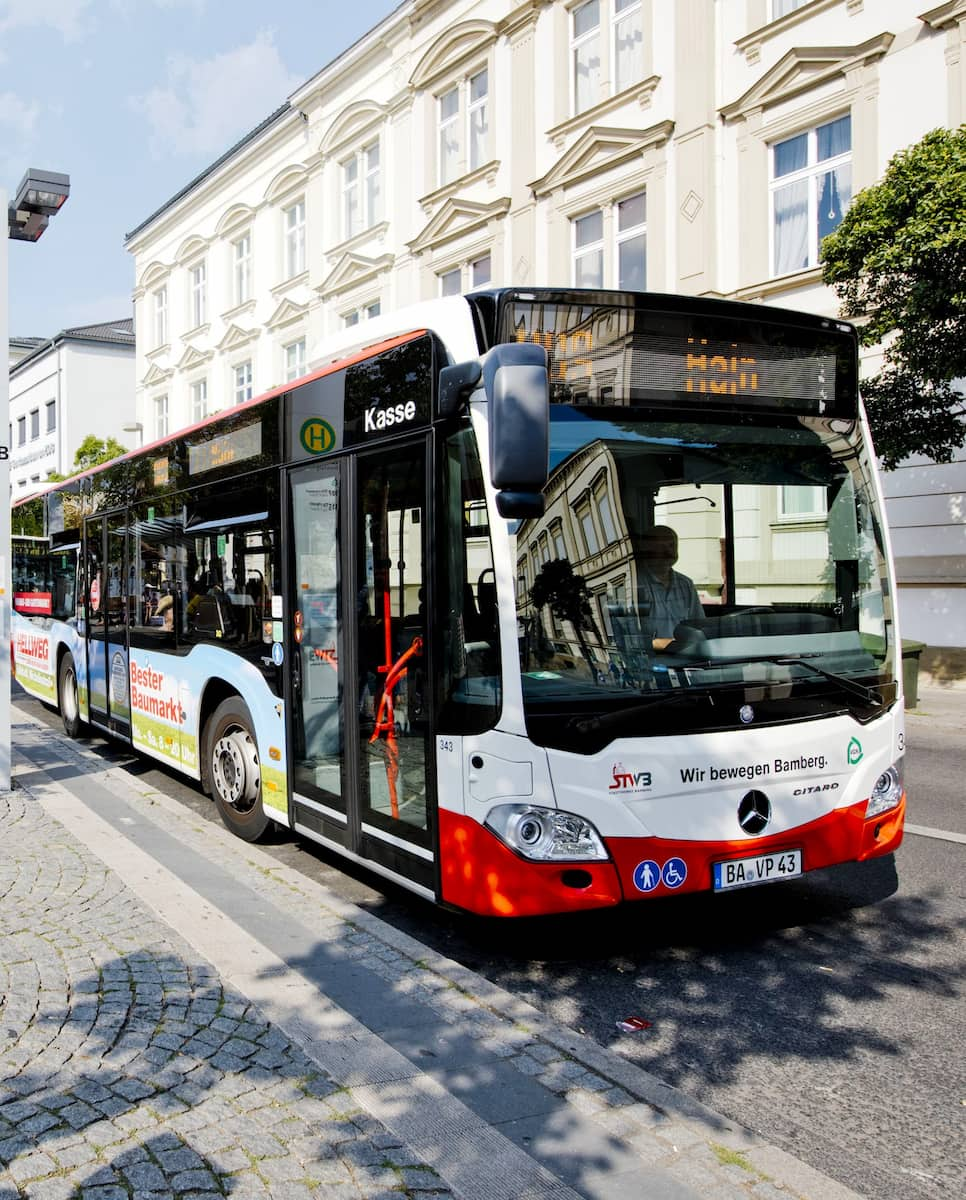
<point x="455" y="385"/>
<point x="518" y="392"/>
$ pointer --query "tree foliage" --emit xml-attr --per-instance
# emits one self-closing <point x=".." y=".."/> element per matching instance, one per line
<point x="898" y="264"/>
<point x="91" y="453"/>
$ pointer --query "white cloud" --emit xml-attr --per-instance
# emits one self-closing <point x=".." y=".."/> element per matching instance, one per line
<point x="205" y="105"/>
<point x="64" y="16"/>
<point x="17" y="122"/>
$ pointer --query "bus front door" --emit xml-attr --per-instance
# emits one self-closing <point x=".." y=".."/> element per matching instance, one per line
<point x="107" y="622"/>
<point x="360" y="678"/>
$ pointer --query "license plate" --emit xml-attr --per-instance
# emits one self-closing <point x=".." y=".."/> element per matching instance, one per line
<point x="765" y="868"/>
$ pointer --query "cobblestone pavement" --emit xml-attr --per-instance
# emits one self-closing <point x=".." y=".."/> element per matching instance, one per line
<point x="128" y="1069"/>
<point x="182" y="1017"/>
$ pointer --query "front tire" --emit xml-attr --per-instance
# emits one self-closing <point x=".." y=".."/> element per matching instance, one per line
<point x="231" y="758"/>
<point x="68" y="698"/>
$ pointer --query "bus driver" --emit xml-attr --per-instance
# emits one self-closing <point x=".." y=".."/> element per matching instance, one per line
<point x="671" y="595"/>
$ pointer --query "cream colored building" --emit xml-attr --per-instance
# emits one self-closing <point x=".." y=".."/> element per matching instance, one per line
<point x="696" y="146"/>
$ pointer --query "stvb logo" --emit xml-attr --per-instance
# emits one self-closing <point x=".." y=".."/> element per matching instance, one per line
<point x="629" y="781"/>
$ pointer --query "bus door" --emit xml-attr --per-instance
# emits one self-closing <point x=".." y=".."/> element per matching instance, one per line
<point x="360" y="678"/>
<point x="108" y="599"/>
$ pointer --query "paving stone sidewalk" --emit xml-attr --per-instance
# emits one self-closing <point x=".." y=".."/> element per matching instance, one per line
<point x="182" y="1017"/>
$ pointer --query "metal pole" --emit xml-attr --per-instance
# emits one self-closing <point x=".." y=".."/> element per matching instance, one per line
<point x="6" y="598"/>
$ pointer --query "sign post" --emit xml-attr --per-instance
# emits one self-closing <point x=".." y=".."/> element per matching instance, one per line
<point x="5" y="594"/>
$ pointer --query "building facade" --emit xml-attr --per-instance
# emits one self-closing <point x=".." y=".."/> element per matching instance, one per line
<point x="703" y="147"/>
<point x="79" y="382"/>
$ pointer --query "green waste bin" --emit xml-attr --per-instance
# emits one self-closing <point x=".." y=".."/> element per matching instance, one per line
<point x="910" y="670"/>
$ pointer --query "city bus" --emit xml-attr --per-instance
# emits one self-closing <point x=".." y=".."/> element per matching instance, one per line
<point x="410" y="607"/>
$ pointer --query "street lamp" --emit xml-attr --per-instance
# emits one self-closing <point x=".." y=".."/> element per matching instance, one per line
<point x="135" y="427"/>
<point x="39" y="196"/>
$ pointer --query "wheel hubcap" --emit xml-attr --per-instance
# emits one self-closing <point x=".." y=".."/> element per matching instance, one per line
<point x="234" y="767"/>
<point x="69" y="698"/>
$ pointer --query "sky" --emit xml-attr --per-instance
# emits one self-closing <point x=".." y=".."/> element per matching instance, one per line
<point x="132" y="99"/>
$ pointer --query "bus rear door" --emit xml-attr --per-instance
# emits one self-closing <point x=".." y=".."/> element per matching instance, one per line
<point x="107" y="622"/>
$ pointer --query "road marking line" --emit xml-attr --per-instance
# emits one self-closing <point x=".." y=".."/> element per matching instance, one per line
<point x="944" y="835"/>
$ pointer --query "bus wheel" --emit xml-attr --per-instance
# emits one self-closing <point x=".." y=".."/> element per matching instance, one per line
<point x="67" y="697"/>
<point x="232" y="759"/>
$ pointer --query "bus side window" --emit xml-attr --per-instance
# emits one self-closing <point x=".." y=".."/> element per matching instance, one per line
<point x="62" y="573"/>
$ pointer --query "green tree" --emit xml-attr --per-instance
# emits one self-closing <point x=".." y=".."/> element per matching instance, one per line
<point x="567" y="596"/>
<point x="91" y="453"/>
<point x="898" y="264"/>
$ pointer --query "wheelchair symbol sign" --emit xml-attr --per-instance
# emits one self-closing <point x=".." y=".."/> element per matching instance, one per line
<point x="674" y="872"/>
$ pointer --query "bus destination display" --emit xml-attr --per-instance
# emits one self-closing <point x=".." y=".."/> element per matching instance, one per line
<point x="225" y="450"/>
<point x="617" y="356"/>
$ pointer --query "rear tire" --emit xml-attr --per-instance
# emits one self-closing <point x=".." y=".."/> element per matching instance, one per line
<point x="231" y="762"/>
<point x="68" y="699"/>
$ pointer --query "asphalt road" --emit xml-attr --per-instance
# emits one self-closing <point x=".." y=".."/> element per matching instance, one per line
<point x="826" y="1013"/>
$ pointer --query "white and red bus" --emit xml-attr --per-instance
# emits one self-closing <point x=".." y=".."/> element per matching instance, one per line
<point x="544" y="600"/>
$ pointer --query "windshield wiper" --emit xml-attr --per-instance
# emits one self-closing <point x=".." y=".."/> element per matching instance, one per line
<point x="604" y="721"/>
<point x="869" y="695"/>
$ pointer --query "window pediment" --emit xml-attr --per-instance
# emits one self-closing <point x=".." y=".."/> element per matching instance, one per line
<point x="192" y="358"/>
<point x="285" y="313"/>
<point x="155" y="375"/>
<point x="599" y="149"/>
<point x="237" y="218"/>
<point x="453" y="50"/>
<point x="235" y="336"/>
<point x="944" y="15"/>
<point x="455" y="218"/>
<point x="291" y="179"/>
<point x="353" y="124"/>
<point x="154" y="273"/>
<point x="352" y="270"/>
<point x="190" y="249"/>
<point x="801" y="69"/>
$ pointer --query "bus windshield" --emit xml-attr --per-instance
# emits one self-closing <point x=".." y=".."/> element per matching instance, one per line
<point x="719" y="560"/>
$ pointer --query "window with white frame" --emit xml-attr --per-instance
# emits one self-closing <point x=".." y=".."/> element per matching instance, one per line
<point x="589" y="250"/>
<point x="241" y="257"/>
<point x="293" y="219"/>
<point x="464" y="126"/>
<point x="604" y="510"/>
<point x="51" y="415"/>
<point x="780" y="7"/>
<point x="559" y="544"/>
<point x="294" y="360"/>
<point x="606" y="49"/>
<point x="34" y="424"/>
<point x="811" y="188"/>
<point x="161" y="416"/>
<point x="21" y="431"/>
<point x="361" y="191"/>
<point x="242" y="388"/>
<point x="161" y="316"/>
<point x="628" y="43"/>
<point x="198" y="285"/>
<point x="480" y="272"/>
<point x="632" y="243"/>
<point x="802" y="501"/>
<point x="364" y="313"/>
<point x="610" y="245"/>
<point x="450" y="282"/>
<point x="198" y="392"/>
<point x="585" y="519"/>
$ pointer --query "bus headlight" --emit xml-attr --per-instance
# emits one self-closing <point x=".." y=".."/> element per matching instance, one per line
<point x="545" y="834"/>
<point x="886" y="791"/>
